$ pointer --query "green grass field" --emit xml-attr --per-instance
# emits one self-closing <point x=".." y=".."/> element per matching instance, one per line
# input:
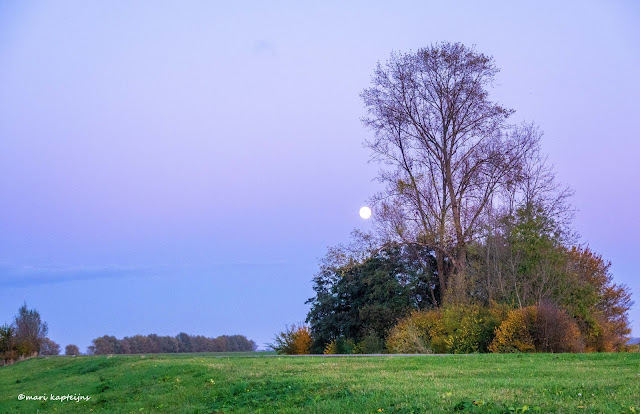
<point x="209" y="383"/>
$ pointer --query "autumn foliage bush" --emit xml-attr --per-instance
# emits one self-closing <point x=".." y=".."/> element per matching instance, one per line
<point x="455" y="329"/>
<point x="541" y="328"/>
<point x="598" y="304"/>
<point x="418" y="333"/>
<point x="555" y="331"/>
<point x="294" y="340"/>
<point x="513" y="334"/>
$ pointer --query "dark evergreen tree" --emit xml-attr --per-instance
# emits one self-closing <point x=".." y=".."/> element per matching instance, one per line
<point x="366" y="299"/>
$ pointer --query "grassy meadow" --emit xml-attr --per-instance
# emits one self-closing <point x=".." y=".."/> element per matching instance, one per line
<point x="254" y="383"/>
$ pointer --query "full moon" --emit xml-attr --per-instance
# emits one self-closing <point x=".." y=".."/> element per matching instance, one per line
<point x="365" y="212"/>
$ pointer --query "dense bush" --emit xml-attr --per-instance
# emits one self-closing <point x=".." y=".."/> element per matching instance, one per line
<point x="513" y="334"/>
<point x="469" y="329"/>
<point x="635" y="348"/>
<point x="541" y="328"/>
<point x="555" y="331"/>
<point x="418" y="333"/>
<point x="599" y="306"/>
<point x="455" y="329"/>
<point x="294" y="340"/>
<point x="340" y="345"/>
<point x="370" y="344"/>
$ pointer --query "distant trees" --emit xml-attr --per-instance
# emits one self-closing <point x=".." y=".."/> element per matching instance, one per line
<point x="72" y="350"/>
<point x="107" y="345"/>
<point x="49" y="347"/>
<point x="181" y="343"/>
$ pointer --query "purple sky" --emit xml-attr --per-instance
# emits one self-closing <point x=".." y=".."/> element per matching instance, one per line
<point x="181" y="166"/>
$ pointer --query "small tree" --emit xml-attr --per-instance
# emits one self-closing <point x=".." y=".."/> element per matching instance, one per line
<point x="72" y="350"/>
<point x="30" y="331"/>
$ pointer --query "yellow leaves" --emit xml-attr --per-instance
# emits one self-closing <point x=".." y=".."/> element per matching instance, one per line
<point x="331" y="348"/>
<point x="302" y="341"/>
<point x="513" y="335"/>
<point x="295" y="340"/>
<point x="454" y="329"/>
<point x="415" y="333"/>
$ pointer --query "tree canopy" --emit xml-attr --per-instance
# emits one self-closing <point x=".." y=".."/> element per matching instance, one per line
<point x="367" y="298"/>
<point x="445" y="148"/>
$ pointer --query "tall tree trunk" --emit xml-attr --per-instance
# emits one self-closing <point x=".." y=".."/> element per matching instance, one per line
<point x="457" y="284"/>
<point x="442" y="277"/>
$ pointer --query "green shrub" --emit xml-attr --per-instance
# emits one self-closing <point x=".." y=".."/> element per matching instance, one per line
<point x="469" y="329"/>
<point x="412" y="335"/>
<point x="370" y="344"/>
<point x="340" y="345"/>
<point x="456" y="329"/>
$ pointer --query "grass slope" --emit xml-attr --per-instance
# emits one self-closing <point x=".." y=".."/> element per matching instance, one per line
<point x="205" y="383"/>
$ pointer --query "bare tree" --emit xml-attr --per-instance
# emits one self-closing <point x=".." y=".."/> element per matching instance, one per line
<point x="446" y="149"/>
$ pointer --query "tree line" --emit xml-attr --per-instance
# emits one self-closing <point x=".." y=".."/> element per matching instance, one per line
<point x="26" y="337"/>
<point x="472" y="248"/>
<point x="181" y="343"/>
